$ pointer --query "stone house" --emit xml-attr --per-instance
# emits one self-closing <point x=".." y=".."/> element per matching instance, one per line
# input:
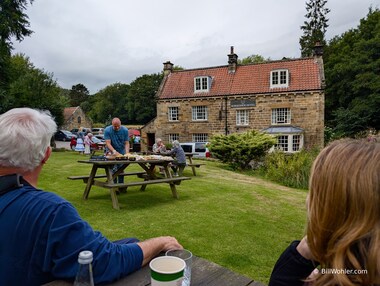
<point x="283" y="97"/>
<point x="75" y="118"/>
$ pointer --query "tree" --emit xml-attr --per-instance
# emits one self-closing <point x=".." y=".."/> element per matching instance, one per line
<point x="141" y="103"/>
<point x="253" y="59"/>
<point x="108" y="103"/>
<point x="34" y="88"/>
<point x="13" y="23"/>
<point x="352" y="70"/>
<point x="314" y="29"/>
<point x="78" y="95"/>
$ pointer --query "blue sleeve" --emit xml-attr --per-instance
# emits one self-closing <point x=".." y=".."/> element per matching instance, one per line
<point x="107" y="134"/>
<point x="69" y="234"/>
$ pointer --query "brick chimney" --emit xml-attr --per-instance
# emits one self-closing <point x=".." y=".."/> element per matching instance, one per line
<point x="318" y="49"/>
<point x="232" y="61"/>
<point x="168" y="68"/>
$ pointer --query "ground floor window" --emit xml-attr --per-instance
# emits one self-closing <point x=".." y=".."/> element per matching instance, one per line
<point x="173" y="136"/>
<point x="289" y="143"/>
<point x="200" y="137"/>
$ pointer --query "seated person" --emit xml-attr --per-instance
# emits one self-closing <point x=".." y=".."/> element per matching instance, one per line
<point x="343" y="228"/>
<point x="159" y="146"/>
<point x="179" y="164"/>
<point x="42" y="233"/>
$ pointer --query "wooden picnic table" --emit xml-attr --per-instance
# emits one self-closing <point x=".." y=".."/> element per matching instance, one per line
<point x="203" y="273"/>
<point x="189" y="157"/>
<point x="148" y="174"/>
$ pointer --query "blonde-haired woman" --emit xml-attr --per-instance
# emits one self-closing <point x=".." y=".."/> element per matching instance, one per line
<point x="343" y="229"/>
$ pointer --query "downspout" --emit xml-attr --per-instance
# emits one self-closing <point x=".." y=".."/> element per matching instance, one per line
<point x="225" y="116"/>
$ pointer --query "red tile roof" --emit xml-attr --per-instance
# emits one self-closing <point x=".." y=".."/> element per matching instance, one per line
<point x="68" y="112"/>
<point x="248" y="79"/>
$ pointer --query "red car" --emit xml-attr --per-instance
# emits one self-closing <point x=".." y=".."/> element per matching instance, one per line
<point x="96" y="144"/>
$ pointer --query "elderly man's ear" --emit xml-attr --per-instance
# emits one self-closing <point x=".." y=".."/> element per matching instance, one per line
<point x="47" y="155"/>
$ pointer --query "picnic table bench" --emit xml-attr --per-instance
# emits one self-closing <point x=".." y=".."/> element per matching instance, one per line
<point x="148" y="175"/>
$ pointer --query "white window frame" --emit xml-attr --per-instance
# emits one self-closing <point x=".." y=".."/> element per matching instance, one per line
<point x="279" y="78"/>
<point x="200" y="137"/>
<point x="173" y="113"/>
<point x="242" y="117"/>
<point x="202" y="84"/>
<point x="281" y="116"/>
<point x="173" y="136"/>
<point x="289" y="143"/>
<point x="199" y="113"/>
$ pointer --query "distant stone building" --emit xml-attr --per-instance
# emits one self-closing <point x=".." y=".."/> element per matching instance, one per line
<point x="284" y="98"/>
<point x="75" y="118"/>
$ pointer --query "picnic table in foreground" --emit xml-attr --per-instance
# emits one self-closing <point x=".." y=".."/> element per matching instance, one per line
<point x="147" y="174"/>
<point x="203" y="273"/>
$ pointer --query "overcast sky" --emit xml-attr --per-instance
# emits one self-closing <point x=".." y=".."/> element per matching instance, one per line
<point x="101" y="42"/>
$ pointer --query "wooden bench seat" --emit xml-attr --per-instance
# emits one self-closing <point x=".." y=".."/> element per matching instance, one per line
<point x="85" y="178"/>
<point x="195" y="165"/>
<point x="175" y="180"/>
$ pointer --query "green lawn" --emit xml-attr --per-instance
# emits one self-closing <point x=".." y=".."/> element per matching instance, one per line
<point x="235" y="220"/>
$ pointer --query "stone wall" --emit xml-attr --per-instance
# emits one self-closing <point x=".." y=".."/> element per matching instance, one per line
<point x="307" y="112"/>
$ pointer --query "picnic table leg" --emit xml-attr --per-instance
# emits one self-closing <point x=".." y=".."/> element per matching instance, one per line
<point x="115" y="201"/>
<point x="90" y="181"/>
<point x="192" y="167"/>
<point x="113" y="191"/>
<point x="172" y="185"/>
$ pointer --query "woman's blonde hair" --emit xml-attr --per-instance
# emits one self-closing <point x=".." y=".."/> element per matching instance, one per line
<point x="344" y="213"/>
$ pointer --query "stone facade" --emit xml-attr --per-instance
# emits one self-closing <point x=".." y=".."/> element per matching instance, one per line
<point x="303" y="102"/>
<point x="75" y="118"/>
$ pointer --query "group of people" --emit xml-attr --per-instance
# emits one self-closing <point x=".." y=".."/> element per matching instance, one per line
<point x="83" y="143"/>
<point x="42" y="234"/>
<point x="176" y="151"/>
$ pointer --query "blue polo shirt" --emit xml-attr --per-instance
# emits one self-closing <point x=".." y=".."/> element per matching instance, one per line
<point x="41" y="236"/>
<point x="118" y="138"/>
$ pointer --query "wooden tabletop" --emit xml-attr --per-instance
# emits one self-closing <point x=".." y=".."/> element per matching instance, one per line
<point x="203" y="273"/>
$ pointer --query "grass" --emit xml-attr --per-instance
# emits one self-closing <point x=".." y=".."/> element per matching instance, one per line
<point x="238" y="221"/>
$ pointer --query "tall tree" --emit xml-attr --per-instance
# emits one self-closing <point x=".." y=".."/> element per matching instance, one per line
<point x="352" y="70"/>
<point x="141" y="104"/>
<point x="13" y="24"/>
<point x="78" y="94"/>
<point x="109" y="102"/>
<point x="34" y="88"/>
<point x="314" y="29"/>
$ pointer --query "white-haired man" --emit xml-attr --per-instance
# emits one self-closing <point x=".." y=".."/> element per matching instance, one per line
<point x="41" y="233"/>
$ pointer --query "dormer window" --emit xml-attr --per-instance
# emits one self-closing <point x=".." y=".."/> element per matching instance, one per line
<point x="202" y="84"/>
<point x="279" y="78"/>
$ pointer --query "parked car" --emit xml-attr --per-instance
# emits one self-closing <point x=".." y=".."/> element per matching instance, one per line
<point x="97" y="144"/>
<point x="97" y="131"/>
<point x="196" y="147"/>
<point x="63" y="135"/>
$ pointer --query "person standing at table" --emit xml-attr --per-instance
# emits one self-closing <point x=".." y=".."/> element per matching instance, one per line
<point x="343" y="226"/>
<point x="41" y="233"/>
<point x="117" y="142"/>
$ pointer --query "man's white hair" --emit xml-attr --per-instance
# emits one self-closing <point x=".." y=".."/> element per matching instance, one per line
<point x="25" y="136"/>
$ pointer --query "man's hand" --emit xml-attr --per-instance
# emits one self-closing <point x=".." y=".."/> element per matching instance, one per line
<point x="152" y="247"/>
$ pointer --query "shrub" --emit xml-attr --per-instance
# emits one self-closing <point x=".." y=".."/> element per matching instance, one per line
<point x="239" y="149"/>
<point x="292" y="170"/>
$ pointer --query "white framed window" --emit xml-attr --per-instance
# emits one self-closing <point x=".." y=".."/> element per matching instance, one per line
<point x="202" y="83"/>
<point x="279" y="78"/>
<point x="242" y="117"/>
<point x="281" y="116"/>
<point x="200" y="137"/>
<point x="199" y="113"/>
<point x="173" y="136"/>
<point x="289" y="142"/>
<point x="173" y="113"/>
